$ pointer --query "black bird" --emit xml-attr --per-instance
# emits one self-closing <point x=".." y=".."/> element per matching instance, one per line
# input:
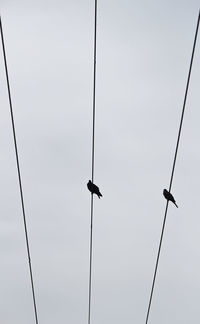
<point x="93" y="189"/>
<point x="169" y="196"/>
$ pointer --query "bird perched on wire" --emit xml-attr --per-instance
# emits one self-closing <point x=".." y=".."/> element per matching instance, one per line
<point x="169" y="196"/>
<point x="93" y="189"/>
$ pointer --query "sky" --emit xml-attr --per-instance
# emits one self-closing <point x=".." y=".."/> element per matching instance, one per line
<point x="143" y="55"/>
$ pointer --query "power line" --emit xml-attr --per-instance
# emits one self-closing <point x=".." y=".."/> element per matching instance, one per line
<point x="173" y="168"/>
<point x="93" y="153"/>
<point x="19" y="174"/>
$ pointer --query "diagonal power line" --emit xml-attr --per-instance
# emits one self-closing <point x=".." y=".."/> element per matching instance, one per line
<point x="173" y="168"/>
<point x="93" y="152"/>
<point x="19" y="174"/>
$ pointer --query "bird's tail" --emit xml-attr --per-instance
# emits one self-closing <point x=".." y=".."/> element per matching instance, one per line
<point x="175" y="204"/>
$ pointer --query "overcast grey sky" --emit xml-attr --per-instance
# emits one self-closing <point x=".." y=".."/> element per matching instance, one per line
<point x="143" y="55"/>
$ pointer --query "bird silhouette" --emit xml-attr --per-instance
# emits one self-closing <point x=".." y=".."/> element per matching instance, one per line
<point x="93" y="189"/>
<point x="169" y="196"/>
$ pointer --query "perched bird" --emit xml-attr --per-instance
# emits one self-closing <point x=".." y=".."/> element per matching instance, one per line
<point x="169" y="196"/>
<point x="93" y="189"/>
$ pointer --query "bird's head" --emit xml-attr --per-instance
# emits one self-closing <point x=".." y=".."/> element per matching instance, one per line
<point x="164" y="191"/>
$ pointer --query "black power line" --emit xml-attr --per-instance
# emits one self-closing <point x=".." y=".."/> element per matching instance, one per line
<point x="19" y="174"/>
<point x="93" y="152"/>
<point x="173" y="167"/>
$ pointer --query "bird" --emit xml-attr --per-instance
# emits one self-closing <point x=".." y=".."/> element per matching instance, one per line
<point x="169" y="196"/>
<point x="93" y="189"/>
